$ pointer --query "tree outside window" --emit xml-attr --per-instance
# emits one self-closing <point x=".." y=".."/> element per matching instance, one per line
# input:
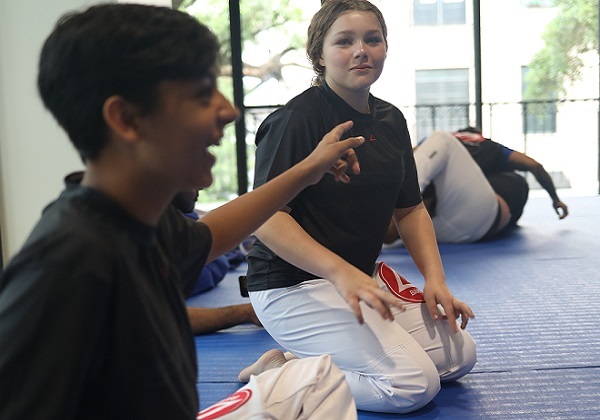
<point x="275" y="69"/>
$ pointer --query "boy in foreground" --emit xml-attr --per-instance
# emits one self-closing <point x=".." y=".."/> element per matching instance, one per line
<point x="92" y="317"/>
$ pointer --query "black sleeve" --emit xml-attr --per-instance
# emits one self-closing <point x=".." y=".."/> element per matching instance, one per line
<point x="285" y="138"/>
<point x="187" y="242"/>
<point x="410" y="194"/>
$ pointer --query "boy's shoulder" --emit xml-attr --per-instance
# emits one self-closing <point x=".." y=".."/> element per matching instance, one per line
<point x="81" y="237"/>
<point x="83" y="221"/>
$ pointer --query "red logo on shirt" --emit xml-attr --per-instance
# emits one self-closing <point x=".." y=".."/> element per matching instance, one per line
<point x="372" y="138"/>
<point x="226" y="406"/>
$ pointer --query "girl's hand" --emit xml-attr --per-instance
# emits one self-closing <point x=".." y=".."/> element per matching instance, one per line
<point x="437" y="292"/>
<point x="358" y="287"/>
<point x="334" y="156"/>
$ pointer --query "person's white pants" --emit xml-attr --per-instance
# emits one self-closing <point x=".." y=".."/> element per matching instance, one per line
<point x="466" y="204"/>
<point x="312" y="388"/>
<point x="392" y="367"/>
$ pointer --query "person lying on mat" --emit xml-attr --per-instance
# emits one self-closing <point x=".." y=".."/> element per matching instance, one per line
<point x="458" y="197"/>
<point x="314" y="255"/>
<point x="461" y="202"/>
<point x="93" y="321"/>
<point x="495" y="160"/>
<point x="209" y="320"/>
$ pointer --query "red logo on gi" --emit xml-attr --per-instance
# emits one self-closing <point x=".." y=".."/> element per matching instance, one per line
<point x="398" y="285"/>
<point x="226" y="406"/>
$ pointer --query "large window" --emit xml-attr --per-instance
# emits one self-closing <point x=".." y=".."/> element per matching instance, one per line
<point x="442" y="100"/>
<point x="274" y="69"/>
<point x="439" y="12"/>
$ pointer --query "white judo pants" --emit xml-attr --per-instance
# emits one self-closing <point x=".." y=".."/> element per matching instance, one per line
<point x="312" y="388"/>
<point x="466" y="205"/>
<point x="392" y="367"/>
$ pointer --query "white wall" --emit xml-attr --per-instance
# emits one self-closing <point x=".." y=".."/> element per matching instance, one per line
<point x="35" y="154"/>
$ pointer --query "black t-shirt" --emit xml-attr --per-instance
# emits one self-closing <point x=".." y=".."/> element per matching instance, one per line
<point x="349" y="219"/>
<point x="93" y="322"/>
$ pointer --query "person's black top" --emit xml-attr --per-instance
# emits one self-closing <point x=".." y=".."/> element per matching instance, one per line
<point x="349" y="219"/>
<point x="92" y="317"/>
<point x="491" y="157"/>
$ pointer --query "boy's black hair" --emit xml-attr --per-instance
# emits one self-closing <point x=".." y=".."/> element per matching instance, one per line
<point x="118" y="49"/>
<point x="470" y="129"/>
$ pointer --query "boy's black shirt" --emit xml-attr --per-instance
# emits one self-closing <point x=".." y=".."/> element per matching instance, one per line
<point x="93" y="322"/>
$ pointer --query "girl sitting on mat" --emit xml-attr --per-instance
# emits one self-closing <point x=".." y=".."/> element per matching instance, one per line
<point x="315" y="258"/>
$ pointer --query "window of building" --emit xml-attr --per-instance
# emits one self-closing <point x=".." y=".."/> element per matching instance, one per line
<point x="442" y="100"/>
<point x="539" y="115"/>
<point x="439" y="12"/>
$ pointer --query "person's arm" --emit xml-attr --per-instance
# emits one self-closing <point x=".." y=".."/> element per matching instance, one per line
<point x="239" y="218"/>
<point x="416" y="230"/>
<point x="208" y="320"/>
<point x="522" y="162"/>
<point x="298" y="248"/>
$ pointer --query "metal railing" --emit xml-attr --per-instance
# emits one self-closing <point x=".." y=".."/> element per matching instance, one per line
<point x="562" y="134"/>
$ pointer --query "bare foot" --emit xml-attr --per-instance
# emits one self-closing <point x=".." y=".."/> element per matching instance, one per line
<point x="271" y="359"/>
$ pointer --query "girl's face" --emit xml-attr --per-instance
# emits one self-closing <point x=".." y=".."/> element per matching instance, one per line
<point x="354" y="52"/>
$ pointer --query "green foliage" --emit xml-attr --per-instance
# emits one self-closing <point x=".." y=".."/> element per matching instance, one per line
<point x="258" y="16"/>
<point x="271" y="19"/>
<point x="573" y="32"/>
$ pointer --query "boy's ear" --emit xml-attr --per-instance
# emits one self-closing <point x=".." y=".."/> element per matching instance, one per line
<point x="121" y="117"/>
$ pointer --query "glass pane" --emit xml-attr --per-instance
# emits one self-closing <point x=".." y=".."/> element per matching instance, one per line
<point x="439" y="12"/>
<point x="425" y="12"/>
<point x="215" y="14"/>
<point x="523" y="113"/>
<point x="274" y="36"/>
<point x="453" y="12"/>
<point x="414" y="48"/>
<point x="274" y="65"/>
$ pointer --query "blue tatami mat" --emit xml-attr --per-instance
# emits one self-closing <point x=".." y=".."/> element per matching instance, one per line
<point x="535" y="293"/>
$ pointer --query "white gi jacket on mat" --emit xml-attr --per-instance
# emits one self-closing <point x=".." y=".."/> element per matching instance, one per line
<point x="311" y="388"/>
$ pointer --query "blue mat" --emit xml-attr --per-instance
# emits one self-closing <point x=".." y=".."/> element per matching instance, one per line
<point x="534" y="292"/>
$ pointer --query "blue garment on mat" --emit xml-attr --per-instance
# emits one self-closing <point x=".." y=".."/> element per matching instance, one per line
<point x="215" y="271"/>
